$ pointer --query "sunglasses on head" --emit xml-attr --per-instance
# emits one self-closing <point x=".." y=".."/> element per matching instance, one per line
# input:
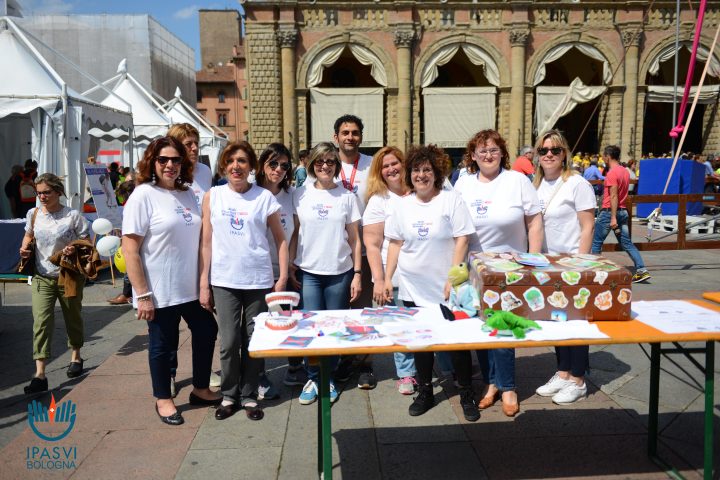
<point x="554" y="150"/>
<point x="163" y="160"/>
<point x="274" y="164"/>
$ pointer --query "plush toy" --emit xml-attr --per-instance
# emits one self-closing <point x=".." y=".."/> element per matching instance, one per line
<point x="464" y="301"/>
<point x="499" y="322"/>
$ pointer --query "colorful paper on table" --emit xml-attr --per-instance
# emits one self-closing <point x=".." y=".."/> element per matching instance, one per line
<point x="296" y="342"/>
<point x="390" y="311"/>
<point x="532" y="259"/>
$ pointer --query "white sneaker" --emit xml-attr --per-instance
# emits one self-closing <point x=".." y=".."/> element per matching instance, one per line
<point x="553" y="386"/>
<point x="570" y="394"/>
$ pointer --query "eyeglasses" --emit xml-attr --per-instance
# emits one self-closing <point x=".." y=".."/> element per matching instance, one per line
<point x="331" y="162"/>
<point x="163" y="160"/>
<point x="489" y="151"/>
<point x="274" y="164"/>
<point x="555" y="150"/>
<point x="45" y="193"/>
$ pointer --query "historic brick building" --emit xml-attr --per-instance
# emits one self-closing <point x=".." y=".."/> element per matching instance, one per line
<point x="221" y="83"/>
<point x="437" y="71"/>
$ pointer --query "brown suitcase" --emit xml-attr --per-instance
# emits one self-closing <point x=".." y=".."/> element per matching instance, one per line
<point x="571" y="287"/>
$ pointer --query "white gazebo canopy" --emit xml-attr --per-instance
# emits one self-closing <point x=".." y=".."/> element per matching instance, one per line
<point x="38" y="110"/>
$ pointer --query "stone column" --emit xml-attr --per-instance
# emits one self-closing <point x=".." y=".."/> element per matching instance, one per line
<point x="404" y="38"/>
<point x="287" y="37"/>
<point x="630" y="140"/>
<point x="516" y="133"/>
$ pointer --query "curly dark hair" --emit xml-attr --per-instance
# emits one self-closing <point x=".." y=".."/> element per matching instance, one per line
<point x="273" y="152"/>
<point x="418" y="155"/>
<point x="480" y="139"/>
<point x="146" y="166"/>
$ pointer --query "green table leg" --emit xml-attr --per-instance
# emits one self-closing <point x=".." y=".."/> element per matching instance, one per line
<point x="324" y="422"/>
<point x="709" y="394"/>
<point x="653" y="400"/>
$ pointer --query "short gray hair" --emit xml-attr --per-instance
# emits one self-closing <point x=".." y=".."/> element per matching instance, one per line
<point x="526" y="149"/>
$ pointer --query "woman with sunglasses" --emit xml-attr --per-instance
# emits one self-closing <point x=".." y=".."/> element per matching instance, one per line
<point x="53" y="226"/>
<point x="236" y="272"/>
<point x="506" y="212"/>
<point x="274" y="174"/>
<point x="325" y="248"/>
<point x="568" y="209"/>
<point x="161" y="238"/>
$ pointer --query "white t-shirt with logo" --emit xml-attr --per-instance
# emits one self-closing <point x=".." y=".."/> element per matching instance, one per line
<point x="287" y="210"/>
<point x="323" y="247"/>
<point x="498" y="209"/>
<point x="202" y="181"/>
<point x="360" y="181"/>
<point x="169" y="222"/>
<point x="562" y="229"/>
<point x="240" y="248"/>
<point x="428" y="231"/>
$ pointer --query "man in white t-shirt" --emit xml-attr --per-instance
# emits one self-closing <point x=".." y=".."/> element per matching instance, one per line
<point x="353" y="176"/>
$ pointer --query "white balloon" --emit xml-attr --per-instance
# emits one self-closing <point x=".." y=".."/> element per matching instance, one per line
<point x="108" y="245"/>
<point x="102" y="226"/>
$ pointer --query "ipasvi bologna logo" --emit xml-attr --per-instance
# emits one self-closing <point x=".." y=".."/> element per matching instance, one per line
<point x="52" y="424"/>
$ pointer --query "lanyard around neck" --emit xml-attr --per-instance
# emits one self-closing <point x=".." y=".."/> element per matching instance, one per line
<point x="351" y="184"/>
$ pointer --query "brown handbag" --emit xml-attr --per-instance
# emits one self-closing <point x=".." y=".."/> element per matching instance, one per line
<point x="27" y="265"/>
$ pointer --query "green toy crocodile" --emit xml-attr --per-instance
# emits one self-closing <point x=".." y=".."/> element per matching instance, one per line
<point x="499" y="322"/>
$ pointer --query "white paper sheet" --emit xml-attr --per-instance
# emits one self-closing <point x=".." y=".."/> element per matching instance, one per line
<point x="676" y="316"/>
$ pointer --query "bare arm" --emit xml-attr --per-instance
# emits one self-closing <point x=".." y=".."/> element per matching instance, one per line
<point x="24" y="251"/>
<point x="613" y="206"/>
<point x="373" y="236"/>
<point x="282" y="250"/>
<point x="206" y="299"/>
<point x="534" y="226"/>
<point x="292" y="268"/>
<point x="352" y="230"/>
<point x="392" y="260"/>
<point x="131" y="250"/>
<point x="586" y="218"/>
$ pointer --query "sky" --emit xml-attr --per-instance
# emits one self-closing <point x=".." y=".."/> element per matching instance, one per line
<point x="179" y="16"/>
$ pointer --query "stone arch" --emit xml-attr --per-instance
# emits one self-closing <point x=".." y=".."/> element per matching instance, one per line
<point x="481" y="43"/>
<point x="537" y="58"/>
<point x="652" y="53"/>
<point x="346" y="39"/>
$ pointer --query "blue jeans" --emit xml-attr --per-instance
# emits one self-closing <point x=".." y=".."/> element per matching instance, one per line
<point x="163" y="342"/>
<point x="498" y="367"/>
<point x="324" y="292"/>
<point x="602" y="229"/>
<point x="404" y="361"/>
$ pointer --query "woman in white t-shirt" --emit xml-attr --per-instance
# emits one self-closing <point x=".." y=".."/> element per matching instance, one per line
<point x="568" y="209"/>
<point x="385" y="185"/>
<point x="161" y="237"/>
<point x="274" y="174"/>
<point x="325" y="246"/>
<point x="506" y="212"/>
<point x="428" y="232"/>
<point x="235" y="262"/>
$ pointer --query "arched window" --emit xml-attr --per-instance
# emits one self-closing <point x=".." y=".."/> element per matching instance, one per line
<point x="222" y="119"/>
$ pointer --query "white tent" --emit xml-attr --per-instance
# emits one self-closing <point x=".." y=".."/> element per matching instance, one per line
<point x="211" y="144"/>
<point x="149" y="117"/>
<point x="42" y="118"/>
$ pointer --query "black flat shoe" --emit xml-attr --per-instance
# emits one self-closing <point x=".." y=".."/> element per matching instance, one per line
<point x="75" y="369"/>
<point x="225" y="411"/>
<point x="174" y="419"/>
<point x="195" y="400"/>
<point x="254" y="413"/>
<point x="37" y="385"/>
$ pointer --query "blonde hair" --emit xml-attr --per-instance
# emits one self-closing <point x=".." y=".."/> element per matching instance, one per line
<point x="375" y="182"/>
<point x="558" y="140"/>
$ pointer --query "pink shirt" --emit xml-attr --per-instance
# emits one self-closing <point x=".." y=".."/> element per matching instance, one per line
<point x="617" y="176"/>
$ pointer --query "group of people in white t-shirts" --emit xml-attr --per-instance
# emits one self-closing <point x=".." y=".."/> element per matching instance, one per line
<point x="359" y="231"/>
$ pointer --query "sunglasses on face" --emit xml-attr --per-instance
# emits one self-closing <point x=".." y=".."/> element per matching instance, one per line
<point x="163" y="160"/>
<point x="544" y="151"/>
<point x="329" y="162"/>
<point x="274" y="164"/>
